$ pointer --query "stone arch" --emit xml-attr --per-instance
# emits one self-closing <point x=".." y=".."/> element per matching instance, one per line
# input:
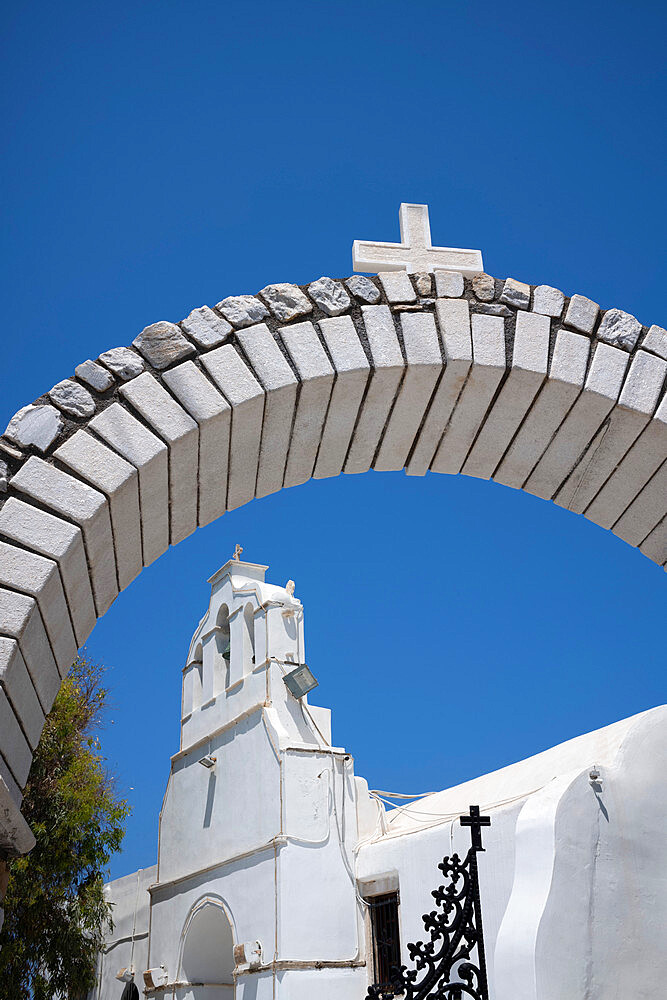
<point x="489" y="378"/>
<point x="207" y="951"/>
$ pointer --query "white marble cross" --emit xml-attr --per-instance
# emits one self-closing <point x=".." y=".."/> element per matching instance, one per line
<point x="414" y="252"/>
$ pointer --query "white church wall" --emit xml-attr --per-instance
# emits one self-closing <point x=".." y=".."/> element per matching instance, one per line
<point x="411" y="864"/>
<point x="210" y="815"/>
<point x="573" y="880"/>
<point x="321" y="921"/>
<point x="243" y="887"/>
<point x="126" y="945"/>
<point x="610" y="877"/>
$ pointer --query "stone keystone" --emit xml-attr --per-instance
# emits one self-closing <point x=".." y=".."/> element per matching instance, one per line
<point x="162" y="344"/>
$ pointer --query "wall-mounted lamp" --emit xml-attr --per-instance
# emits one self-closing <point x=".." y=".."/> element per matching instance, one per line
<point x="248" y="953"/>
<point x="207" y="761"/>
<point x="153" y="978"/>
<point x="300" y="681"/>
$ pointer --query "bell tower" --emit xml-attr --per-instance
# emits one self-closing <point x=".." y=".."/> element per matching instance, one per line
<point x="250" y="638"/>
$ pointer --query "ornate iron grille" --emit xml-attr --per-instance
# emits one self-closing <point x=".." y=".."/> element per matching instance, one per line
<point x="444" y="962"/>
<point x="386" y="941"/>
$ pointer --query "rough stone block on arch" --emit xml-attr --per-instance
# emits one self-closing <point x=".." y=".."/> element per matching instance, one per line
<point x="454" y="321"/>
<point x="286" y="302"/>
<point x="206" y="328"/>
<point x="213" y="415"/>
<point x="397" y="286"/>
<point x="38" y="577"/>
<point x="150" y="456"/>
<point x="352" y="373"/>
<point x="246" y="398"/>
<point x="17" y="685"/>
<point x="636" y="405"/>
<point x="387" y="369"/>
<point x="582" y="313"/>
<point x="72" y="399"/>
<point x="582" y="423"/>
<point x="13" y="744"/>
<point x="36" y="424"/>
<point x="565" y="381"/>
<point x="44" y="533"/>
<point x="72" y="499"/>
<point x="163" y="344"/>
<point x="118" y="480"/>
<point x="329" y="295"/>
<point x="526" y="375"/>
<point x="180" y="432"/>
<point x="646" y="511"/>
<point x="280" y="385"/>
<point x="486" y="374"/>
<point x="316" y="375"/>
<point x="423" y="369"/>
<point x="22" y="621"/>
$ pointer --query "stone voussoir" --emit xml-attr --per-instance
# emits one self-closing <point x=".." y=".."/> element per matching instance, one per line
<point x="582" y="314"/>
<point x="655" y="341"/>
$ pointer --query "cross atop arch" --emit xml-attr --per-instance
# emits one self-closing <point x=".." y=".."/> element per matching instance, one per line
<point x="415" y="252"/>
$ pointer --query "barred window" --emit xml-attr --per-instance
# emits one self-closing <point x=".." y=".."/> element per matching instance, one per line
<point x="386" y="942"/>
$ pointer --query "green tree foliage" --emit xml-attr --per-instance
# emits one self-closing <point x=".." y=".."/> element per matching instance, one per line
<point x="55" y="912"/>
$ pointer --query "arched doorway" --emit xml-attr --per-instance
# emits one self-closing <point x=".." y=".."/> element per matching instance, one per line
<point x="207" y="958"/>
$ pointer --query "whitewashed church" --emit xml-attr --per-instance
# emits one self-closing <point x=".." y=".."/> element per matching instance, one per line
<point x="279" y="875"/>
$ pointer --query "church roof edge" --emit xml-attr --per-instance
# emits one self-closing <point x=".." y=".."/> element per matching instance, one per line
<point x="255" y="571"/>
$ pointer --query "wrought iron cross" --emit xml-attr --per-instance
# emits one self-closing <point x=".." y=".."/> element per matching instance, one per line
<point x="415" y="252"/>
<point x="446" y="967"/>
<point x="475" y="822"/>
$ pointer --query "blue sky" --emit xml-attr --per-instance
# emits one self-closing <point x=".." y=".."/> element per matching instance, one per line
<point x="161" y="156"/>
